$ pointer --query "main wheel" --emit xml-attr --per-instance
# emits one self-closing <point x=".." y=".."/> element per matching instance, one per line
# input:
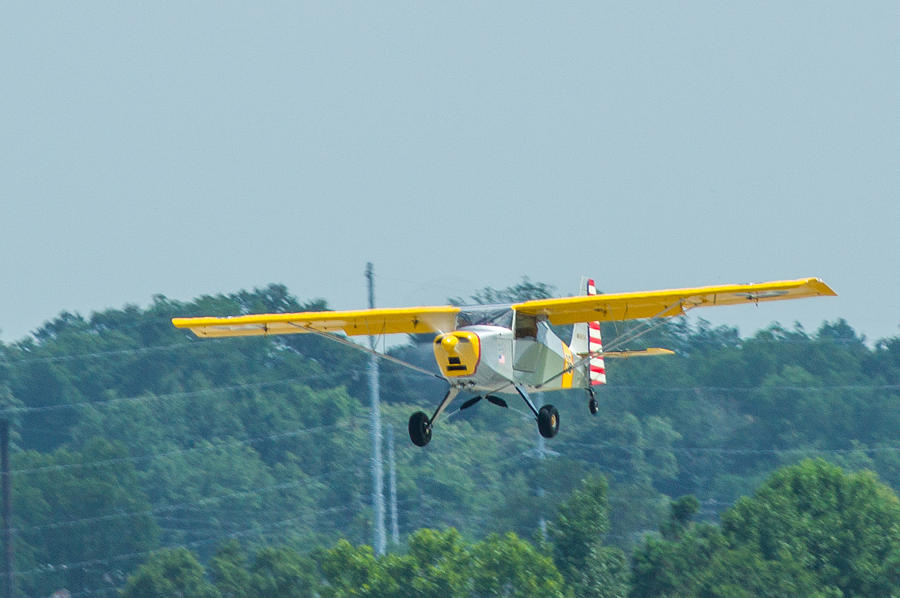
<point x="548" y="421"/>
<point x="419" y="429"/>
<point x="593" y="406"/>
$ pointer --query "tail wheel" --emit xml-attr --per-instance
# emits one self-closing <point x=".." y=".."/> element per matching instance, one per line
<point x="419" y="429"/>
<point x="548" y="421"/>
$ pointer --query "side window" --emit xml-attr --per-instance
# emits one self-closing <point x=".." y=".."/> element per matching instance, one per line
<point x="526" y="326"/>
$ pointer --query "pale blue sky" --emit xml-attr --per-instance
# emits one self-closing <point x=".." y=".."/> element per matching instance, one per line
<point x="205" y="147"/>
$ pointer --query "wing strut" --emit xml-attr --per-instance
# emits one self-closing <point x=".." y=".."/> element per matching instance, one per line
<point x="385" y="356"/>
<point x="649" y="324"/>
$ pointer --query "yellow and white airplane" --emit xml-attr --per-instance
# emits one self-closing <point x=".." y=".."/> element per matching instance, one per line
<point x="487" y="350"/>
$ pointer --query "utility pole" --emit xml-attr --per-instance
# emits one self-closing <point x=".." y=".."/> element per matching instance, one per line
<point x="379" y="541"/>
<point x="392" y="477"/>
<point x="542" y="523"/>
<point x="542" y="453"/>
<point x="7" y="507"/>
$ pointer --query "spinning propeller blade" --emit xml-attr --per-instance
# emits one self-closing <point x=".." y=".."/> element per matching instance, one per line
<point x="497" y="401"/>
<point x="470" y="402"/>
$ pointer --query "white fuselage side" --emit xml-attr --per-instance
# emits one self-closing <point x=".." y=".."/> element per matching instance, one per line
<point x="487" y="358"/>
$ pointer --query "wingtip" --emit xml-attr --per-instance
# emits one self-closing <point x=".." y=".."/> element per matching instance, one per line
<point x="822" y="287"/>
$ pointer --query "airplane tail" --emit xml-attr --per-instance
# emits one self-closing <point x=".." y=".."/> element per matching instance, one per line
<point x="586" y="339"/>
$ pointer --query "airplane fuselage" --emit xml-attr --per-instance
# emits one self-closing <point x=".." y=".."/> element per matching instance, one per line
<point x="488" y="358"/>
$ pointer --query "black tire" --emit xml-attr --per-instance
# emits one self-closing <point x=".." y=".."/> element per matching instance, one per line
<point x="593" y="406"/>
<point x="419" y="429"/>
<point x="548" y="421"/>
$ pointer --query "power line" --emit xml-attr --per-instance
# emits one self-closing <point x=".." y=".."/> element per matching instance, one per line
<point x="177" y="452"/>
<point x="256" y="529"/>
<point x="163" y="397"/>
<point x="163" y="508"/>
<point x="111" y="352"/>
<point x="732" y="450"/>
<point x="260" y="530"/>
<point x="694" y="389"/>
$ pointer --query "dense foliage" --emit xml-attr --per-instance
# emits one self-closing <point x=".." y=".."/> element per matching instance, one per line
<point x="241" y="466"/>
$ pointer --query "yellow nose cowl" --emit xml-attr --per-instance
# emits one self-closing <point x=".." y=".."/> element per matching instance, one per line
<point x="449" y="343"/>
<point x="457" y="353"/>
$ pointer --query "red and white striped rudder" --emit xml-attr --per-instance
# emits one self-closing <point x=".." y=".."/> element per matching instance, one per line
<point x="595" y="345"/>
<point x="586" y="339"/>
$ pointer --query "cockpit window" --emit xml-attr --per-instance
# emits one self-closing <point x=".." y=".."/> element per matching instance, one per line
<point x="526" y="326"/>
<point x="484" y="316"/>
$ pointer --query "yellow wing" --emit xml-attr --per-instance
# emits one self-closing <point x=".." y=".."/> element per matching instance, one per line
<point x="411" y="320"/>
<point x="664" y="304"/>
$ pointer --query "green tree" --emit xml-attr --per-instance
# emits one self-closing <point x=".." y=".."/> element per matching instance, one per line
<point x="79" y="507"/>
<point x="681" y="512"/>
<point x="672" y="568"/>
<point x="441" y="564"/>
<point x="742" y="573"/>
<point x="844" y="528"/>
<point x="577" y="539"/>
<point x="174" y="573"/>
<point x="509" y="567"/>
<point x="809" y="530"/>
<point x="441" y="561"/>
<point x="281" y="572"/>
<point x="347" y="570"/>
<point x="228" y="570"/>
<point x="581" y="521"/>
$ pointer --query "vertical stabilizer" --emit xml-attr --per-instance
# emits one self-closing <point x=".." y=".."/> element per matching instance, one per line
<point x="586" y="339"/>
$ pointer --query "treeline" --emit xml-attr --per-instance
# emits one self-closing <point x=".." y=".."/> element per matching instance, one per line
<point x="131" y="437"/>
<point x="811" y="530"/>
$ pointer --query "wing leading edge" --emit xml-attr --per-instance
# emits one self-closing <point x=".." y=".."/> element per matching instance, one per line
<point x="406" y="320"/>
<point x="667" y="303"/>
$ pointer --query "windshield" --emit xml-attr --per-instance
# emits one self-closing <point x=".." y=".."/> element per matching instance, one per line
<point x="485" y="315"/>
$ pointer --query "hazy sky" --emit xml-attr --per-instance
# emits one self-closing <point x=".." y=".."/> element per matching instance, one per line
<point x="190" y="148"/>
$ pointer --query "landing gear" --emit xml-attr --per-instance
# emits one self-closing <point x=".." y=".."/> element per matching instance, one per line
<point x="547" y="416"/>
<point x="548" y="421"/>
<point x="593" y="406"/>
<point x="419" y="429"/>
<point x="420" y="425"/>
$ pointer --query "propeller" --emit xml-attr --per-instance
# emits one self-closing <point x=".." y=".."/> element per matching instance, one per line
<point x="491" y="399"/>
<point x="469" y="403"/>
<point x="497" y="401"/>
